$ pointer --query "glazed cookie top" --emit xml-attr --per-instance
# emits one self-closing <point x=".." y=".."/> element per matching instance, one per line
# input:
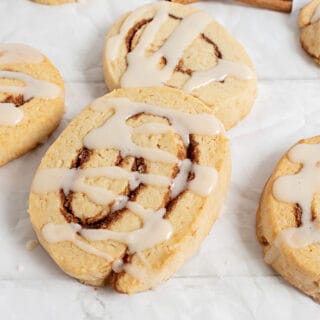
<point x="20" y="68"/>
<point x="179" y="46"/>
<point x="133" y="152"/>
<point x="295" y="201"/>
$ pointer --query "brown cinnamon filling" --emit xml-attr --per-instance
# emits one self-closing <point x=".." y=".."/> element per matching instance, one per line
<point x="132" y="32"/>
<point x="217" y="51"/>
<point x="174" y="17"/>
<point x="140" y="165"/>
<point x="163" y="61"/>
<point x="193" y="150"/>
<point x="193" y="155"/>
<point x="17" y="100"/>
<point x="313" y="215"/>
<point x="99" y="220"/>
<point x="88" y="223"/>
<point x="104" y="221"/>
<point x="191" y="176"/>
<point x="263" y="241"/>
<point x="82" y="157"/>
<point x="180" y="68"/>
<point x="297" y="214"/>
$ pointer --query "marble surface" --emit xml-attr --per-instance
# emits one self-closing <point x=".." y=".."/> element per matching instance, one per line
<point x="227" y="279"/>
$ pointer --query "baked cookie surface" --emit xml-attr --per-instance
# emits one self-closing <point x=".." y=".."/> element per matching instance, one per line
<point x="288" y="218"/>
<point x="31" y="100"/>
<point x="131" y="187"/>
<point x="54" y="2"/>
<point x="179" y="46"/>
<point x="309" y="22"/>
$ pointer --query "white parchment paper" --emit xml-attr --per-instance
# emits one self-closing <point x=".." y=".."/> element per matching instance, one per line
<point x="227" y="279"/>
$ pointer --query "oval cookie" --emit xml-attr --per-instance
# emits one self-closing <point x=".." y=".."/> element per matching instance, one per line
<point x="131" y="187"/>
<point x="309" y="21"/>
<point x="288" y="223"/>
<point x="179" y="46"/>
<point x="31" y="100"/>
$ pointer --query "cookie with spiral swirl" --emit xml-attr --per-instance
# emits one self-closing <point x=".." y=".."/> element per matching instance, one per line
<point x="180" y="46"/>
<point x="288" y="218"/>
<point x="31" y="100"/>
<point x="131" y="188"/>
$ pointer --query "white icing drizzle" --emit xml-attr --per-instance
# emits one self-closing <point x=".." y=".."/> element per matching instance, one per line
<point x="143" y="70"/>
<point x="14" y="54"/>
<point x="54" y="233"/>
<point x="74" y="179"/>
<point x="9" y="114"/>
<point x="151" y="128"/>
<point x="204" y="181"/>
<point x="219" y="72"/>
<point x="316" y="15"/>
<point x="119" y="266"/>
<point x="119" y="134"/>
<point x="113" y="44"/>
<point x="33" y="88"/>
<point x="180" y="181"/>
<point x="154" y="228"/>
<point x="299" y="188"/>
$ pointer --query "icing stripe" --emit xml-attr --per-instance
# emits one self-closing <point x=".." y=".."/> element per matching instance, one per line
<point x="33" y="88"/>
<point x="9" y="115"/>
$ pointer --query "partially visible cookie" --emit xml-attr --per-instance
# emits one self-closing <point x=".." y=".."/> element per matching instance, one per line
<point x="288" y="218"/>
<point x="179" y="46"/>
<point x="309" y="21"/>
<point x="54" y="2"/>
<point x="31" y="100"/>
<point x="131" y="188"/>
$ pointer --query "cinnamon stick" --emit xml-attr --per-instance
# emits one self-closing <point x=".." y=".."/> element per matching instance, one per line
<point x="278" y="5"/>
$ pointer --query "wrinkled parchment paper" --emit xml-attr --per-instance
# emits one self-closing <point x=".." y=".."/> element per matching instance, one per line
<point x="227" y="279"/>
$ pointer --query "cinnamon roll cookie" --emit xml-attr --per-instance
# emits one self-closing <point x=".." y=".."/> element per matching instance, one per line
<point x="179" y="46"/>
<point x="288" y="219"/>
<point x="54" y="2"/>
<point x="31" y="100"/>
<point x="131" y="187"/>
<point x="309" y="21"/>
